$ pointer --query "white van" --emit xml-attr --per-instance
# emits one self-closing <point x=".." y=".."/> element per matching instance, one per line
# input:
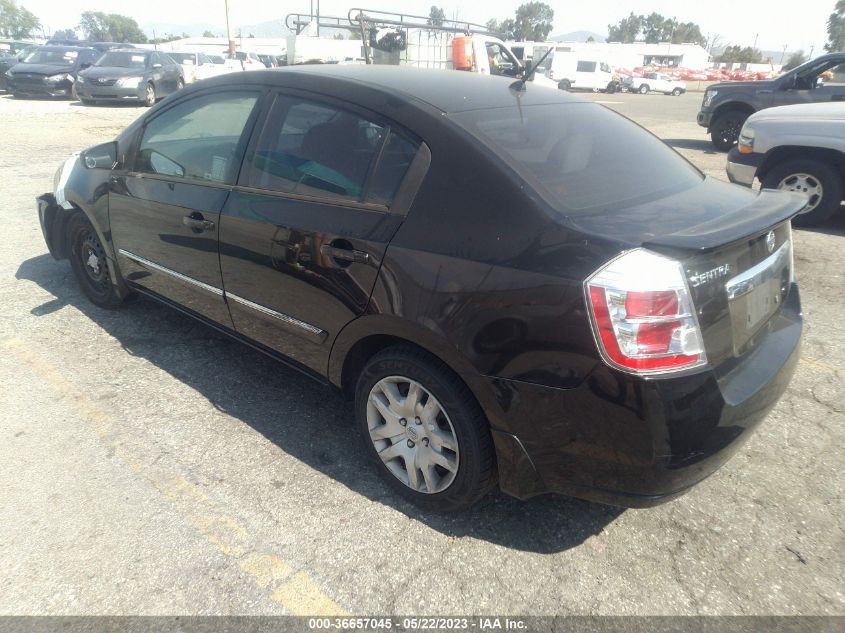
<point x="570" y="70"/>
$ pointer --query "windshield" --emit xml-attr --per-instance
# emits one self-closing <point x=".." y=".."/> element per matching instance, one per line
<point x="122" y="59"/>
<point x="52" y="57"/>
<point x="181" y="58"/>
<point x="581" y="157"/>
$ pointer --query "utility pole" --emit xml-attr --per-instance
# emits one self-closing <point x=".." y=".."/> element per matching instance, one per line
<point x="229" y="31"/>
<point x="783" y="54"/>
<point x="756" y="35"/>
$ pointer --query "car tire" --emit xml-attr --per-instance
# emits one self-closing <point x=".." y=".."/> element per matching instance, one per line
<point x="180" y="84"/>
<point x="90" y="263"/>
<point x="806" y="175"/>
<point x="443" y="408"/>
<point x="644" y="89"/>
<point x="150" y="95"/>
<point x="677" y="92"/>
<point x="564" y="85"/>
<point x="724" y="130"/>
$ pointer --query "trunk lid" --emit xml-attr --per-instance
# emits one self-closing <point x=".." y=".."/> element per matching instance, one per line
<point x="736" y="250"/>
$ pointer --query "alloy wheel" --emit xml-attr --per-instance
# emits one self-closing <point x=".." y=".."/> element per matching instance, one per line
<point x="412" y="434"/>
<point x="806" y="184"/>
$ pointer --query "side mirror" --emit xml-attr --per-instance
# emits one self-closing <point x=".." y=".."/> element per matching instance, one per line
<point x="100" y="156"/>
<point x="789" y="82"/>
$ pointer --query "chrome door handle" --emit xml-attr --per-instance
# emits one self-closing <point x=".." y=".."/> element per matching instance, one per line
<point x="344" y="254"/>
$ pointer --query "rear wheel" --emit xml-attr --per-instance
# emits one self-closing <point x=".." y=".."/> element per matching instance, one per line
<point x="150" y="95"/>
<point x="724" y="131"/>
<point x="180" y="84"/>
<point x="424" y="430"/>
<point x="564" y="84"/>
<point x="677" y="92"/>
<point x="90" y="264"/>
<point x="819" y="182"/>
<point x="644" y="89"/>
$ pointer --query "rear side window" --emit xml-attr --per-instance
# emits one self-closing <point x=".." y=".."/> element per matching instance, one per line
<point x="586" y="67"/>
<point x="199" y="139"/>
<point x="581" y="156"/>
<point x="316" y="149"/>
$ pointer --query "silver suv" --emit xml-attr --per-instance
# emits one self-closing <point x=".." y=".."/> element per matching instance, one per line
<point x="798" y="148"/>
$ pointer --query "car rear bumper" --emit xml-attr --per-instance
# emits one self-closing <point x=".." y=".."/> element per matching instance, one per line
<point x="742" y="168"/>
<point x="637" y="442"/>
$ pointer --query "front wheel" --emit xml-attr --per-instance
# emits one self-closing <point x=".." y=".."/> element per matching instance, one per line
<point x="644" y="89"/>
<point x="90" y="263"/>
<point x="424" y="430"/>
<point x="180" y="84"/>
<point x="819" y="182"/>
<point x="677" y="92"/>
<point x="150" y="95"/>
<point x="564" y="85"/>
<point x="724" y="131"/>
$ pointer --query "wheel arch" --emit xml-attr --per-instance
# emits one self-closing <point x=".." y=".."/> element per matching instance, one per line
<point x="368" y="335"/>
<point x="778" y="155"/>
<point x="730" y="106"/>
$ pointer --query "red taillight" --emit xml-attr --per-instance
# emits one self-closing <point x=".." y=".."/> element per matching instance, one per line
<point x="643" y="315"/>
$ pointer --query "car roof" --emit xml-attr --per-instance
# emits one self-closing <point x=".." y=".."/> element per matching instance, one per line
<point x="59" y="47"/>
<point x="446" y="90"/>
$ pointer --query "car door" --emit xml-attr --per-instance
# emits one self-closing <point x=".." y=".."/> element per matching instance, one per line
<point x="819" y="83"/>
<point x="165" y="208"/>
<point x="303" y="234"/>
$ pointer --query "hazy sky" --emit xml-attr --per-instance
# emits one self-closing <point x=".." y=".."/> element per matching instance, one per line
<point x="777" y="23"/>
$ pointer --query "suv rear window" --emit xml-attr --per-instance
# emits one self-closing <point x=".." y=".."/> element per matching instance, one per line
<point x="581" y="156"/>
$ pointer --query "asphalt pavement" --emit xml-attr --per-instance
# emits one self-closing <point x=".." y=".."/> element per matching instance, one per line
<point x="151" y="466"/>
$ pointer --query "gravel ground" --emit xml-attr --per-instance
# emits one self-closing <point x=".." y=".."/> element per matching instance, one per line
<point x="150" y="466"/>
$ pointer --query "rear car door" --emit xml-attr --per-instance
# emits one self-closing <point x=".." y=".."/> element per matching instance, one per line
<point x="165" y="209"/>
<point x="302" y="237"/>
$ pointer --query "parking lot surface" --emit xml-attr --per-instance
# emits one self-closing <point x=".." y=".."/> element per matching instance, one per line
<point x="151" y="466"/>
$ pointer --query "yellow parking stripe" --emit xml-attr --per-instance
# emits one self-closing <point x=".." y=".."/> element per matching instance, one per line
<point x="293" y="589"/>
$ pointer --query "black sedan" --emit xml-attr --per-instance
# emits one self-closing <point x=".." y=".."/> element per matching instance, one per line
<point x="512" y="285"/>
<point x="49" y="71"/>
<point x="130" y="75"/>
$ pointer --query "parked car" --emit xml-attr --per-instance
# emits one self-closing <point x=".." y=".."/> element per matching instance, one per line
<point x="656" y="82"/>
<point x="49" y="71"/>
<point x="268" y="60"/>
<point x="197" y="65"/>
<point x="100" y="46"/>
<point x="572" y="71"/>
<point x="797" y="148"/>
<point x="243" y="61"/>
<point x="529" y="290"/>
<point x="727" y="105"/>
<point x="130" y="75"/>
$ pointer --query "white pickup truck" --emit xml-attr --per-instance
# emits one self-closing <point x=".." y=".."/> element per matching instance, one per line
<point x="656" y="82"/>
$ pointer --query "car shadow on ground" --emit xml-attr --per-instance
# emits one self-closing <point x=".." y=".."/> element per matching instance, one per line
<point x="702" y="145"/>
<point x="304" y="419"/>
<point x="833" y="226"/>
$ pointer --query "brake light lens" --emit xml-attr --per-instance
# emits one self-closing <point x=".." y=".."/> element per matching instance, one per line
<point x="643" y="316"/>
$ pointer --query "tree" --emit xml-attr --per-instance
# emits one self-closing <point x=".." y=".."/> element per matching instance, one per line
<point x="795" y="59"/>
<point x="738" y="55"/>
<point x="591" y="39"/>
<point x="836" y="29"/>
<point x="506" y="28"/>
<point x="65" y="34"/>
<point x="627" y="30"/>
<point x="534" y="22"/>
<point x="17" y="22"/>
<point x="655" y="29"/>
<point x="436" y="16"/>
<point x="102" y="27"/>
<point x="208" y="34"/>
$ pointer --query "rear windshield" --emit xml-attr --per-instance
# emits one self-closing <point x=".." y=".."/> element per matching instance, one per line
<point x="581" y="157"/>
<point x="52" y="57"/>
<point x="181" y="58"/>
<point x="123" y="59"/>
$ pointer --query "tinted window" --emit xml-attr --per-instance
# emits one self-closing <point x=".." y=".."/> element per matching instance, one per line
<point x="395" y="160"/>
<point x="122" y="59"/>
<point x="314" y="149"/>
<point x="581" y="156"/>
<point x="52" y="57"/>
<point x="586" y="67"/>
<point x="198" y="139"/>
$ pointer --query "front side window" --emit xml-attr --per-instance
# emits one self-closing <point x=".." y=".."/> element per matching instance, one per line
<point x="586" y="67"/>
<point x="199" y="139"/>
<point x="501" y="62"/>
<point x="314" y="149"/>
<point x="605" y="68"/>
